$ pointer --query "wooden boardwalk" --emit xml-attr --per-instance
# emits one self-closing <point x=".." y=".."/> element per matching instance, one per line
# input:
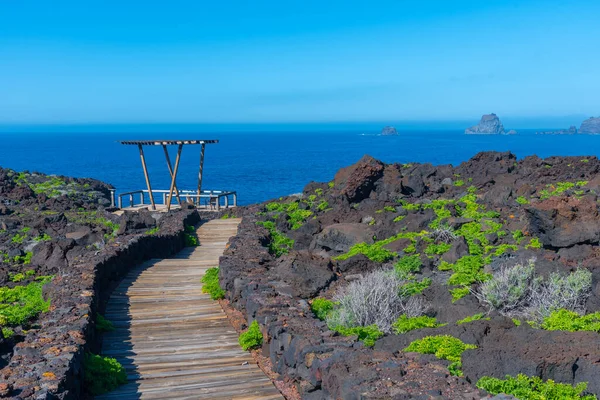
<point x="174" y="341"/>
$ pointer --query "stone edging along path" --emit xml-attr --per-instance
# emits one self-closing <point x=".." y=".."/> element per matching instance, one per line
<point x="174" y="341"/>
<point x="48" y="364"/>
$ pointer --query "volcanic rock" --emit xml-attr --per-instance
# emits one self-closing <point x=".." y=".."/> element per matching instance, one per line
<point x="488" y="125"/>
<point x="571" y="131"/>
<point x="389" y="131"/>
<point x="590" y="126"/>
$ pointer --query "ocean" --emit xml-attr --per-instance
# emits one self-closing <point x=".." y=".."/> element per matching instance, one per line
<point x="262" y="165"/>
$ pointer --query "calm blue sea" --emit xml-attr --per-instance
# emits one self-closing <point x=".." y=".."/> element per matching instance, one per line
<point x="261" y="165"/>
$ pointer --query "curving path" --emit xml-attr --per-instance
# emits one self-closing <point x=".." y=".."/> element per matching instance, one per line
<point x="174" y="341"/>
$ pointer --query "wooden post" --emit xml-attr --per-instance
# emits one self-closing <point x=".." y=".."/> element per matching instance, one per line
<point x="171" y="171"/>
<point x="174" y="177"/>
<point x="200" y="171"/>
<point x="146" y="176"/>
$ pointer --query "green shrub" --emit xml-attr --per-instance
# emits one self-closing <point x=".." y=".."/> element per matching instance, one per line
<point x="226" y="216"/>
<point x="298" y="217"/>
<point x="373" y="252"/>
<point x="18" y="277"/>
<point x="503" y="248"/>
<point x="190" y="229"/>
<point x="323" y="205"/>
<point x="459" y="292"/>
<point x="399" y="218"/>
<point x="331" y="185"/>
<point x="321" y="307"/>
<point x="252" y="338"/>
<point x="408" y="264"/>
<point x="566" y="320"/>
<point x="103" y="374"/>
<point x="367" y="334"/>
<point x="18" y="238"/>
<point x="22" y="303"/>
<point x="103" y="325"/>
<point x="210" y="284"/>
<point x="190" y="240"/>
<point x="445" y="347"/>
<point x="534" y="243"/>
<point x="459" y="182"/>
<point x="7" y="333"/>
<point x="275" y="207"/>
<point x="414" y="287"/>
<point x="468" y="270"/>
<point x="471" y="318"/>
<point x="42" y="238"/>
<point x="153" y="231"/>
<point x="533" y="388"/>
<point x="522" y="200"/>
<point x="518" y="236"/>
<point x="406" y="324"/>
<point x="280" y="244"/>
<point x="438" y="249"/>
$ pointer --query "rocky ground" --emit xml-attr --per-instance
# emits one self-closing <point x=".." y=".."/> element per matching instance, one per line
<point x="447" y="234"/>
<point x="61" y="252"/>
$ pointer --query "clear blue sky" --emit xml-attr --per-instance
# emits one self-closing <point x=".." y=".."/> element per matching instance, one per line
<point x="293" y="61"/>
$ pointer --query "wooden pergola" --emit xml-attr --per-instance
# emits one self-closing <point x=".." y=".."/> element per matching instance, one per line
<point x="173" y="169"/>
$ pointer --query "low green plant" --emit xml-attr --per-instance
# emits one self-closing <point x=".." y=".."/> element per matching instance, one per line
<point x="190" y="240"/>
<point x="516" y="321"/>
<point x="331" y="185"/>
<point x="459" y="182"/>
<point x="406" y="324"/>
<point x="467" y="270"/>
<point x="102" y="374"/>
<point x="524" y="387"/>
<point x="42" y="238"/>
<point x="518" y="236"/>
<point x="408" y="264"/>
<point x="279" y="244"/>
<point x="584" y="160"/>
<point x="210" y="284"/>
<point x="438" y="249"/>
<point x="445" y="347"/>
<point x="323" y="205"/>
<point x="321" y="307"/>
<point x="414" y="287"/>
<point x="459" y="292"/>
<point x="534" y="243"/>
<point x="18" y="277"/>
<point x="399" y="218"/>
<point x="153" y="231"/>
<point x="226" y="216"/>
<point x="503" y="248"/>
<point x="373" y="252"/>
<point x="22" y="303"/>
<point x="566" y="320"/>
<point x="472" y="318"/>
<point x="252" y="338"/>
<point x="7" y="333"/>
<point x="298" y="217"/>
<point x="18" y="238"/>
<point x="367" y="334"/>
<point x="522" y="200"/>
<point x="104" y="325"/>
<point x="189" y="229"/>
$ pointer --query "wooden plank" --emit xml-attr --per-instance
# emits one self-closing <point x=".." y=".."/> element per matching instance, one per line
<point x="174" y="341"/>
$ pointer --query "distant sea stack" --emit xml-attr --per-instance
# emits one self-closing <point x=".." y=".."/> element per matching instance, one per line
<point x="590" y="126"/>
<point x="571" y="131"/>
<point x="389" y="130"/>
<point x="489" y="125"/>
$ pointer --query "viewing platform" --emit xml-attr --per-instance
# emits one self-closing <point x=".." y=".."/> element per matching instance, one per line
<point x="208" y="200"/>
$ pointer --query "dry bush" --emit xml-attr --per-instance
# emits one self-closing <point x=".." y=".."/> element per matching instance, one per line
<point x="443" y="234"/>
<point x="375" y="299"/>
<point x="515" y="291"/>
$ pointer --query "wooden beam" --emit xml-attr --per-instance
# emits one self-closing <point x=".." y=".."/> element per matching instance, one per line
<point x="171" y="171"/>
<point x="146" y="176"/>
<point x="174" y="177"/>
<point x="200" y="171"/>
